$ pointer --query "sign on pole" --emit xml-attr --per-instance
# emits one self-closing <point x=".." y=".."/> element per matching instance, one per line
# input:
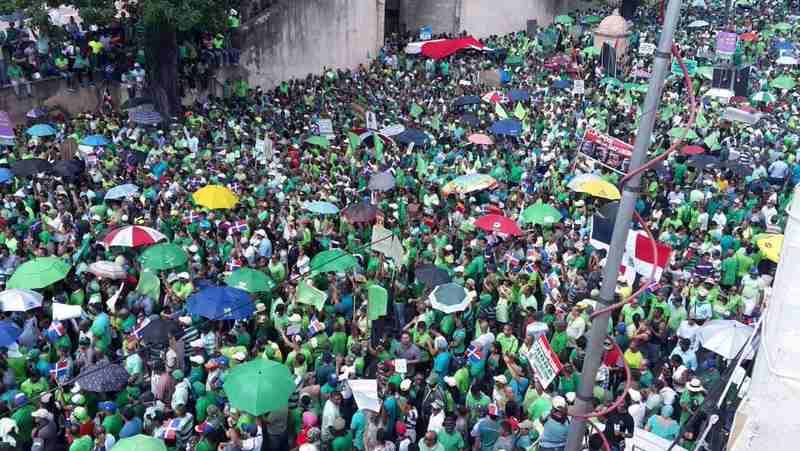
<point x="425" y="33"/>
<point x="544" y="361"/>
<point x="726" y="43"/>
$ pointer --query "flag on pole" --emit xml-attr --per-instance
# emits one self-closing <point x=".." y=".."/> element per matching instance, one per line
<point x="415" y="111"/>
<point x="520" y="112"/>
<point x="354" y="141"/>
<point x="500" y="111"/>
<point x="60" y="371"/>
<point x="474" y="354"/>
<point x="640" y="249"/>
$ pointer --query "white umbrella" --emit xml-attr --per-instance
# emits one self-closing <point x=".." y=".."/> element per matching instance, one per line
<point x="787" y="60"/>
<point x="19" y="300"/>
<point x="449" y="298"/>
<point x="724" y="337"/>
<point x="698" y="24"/>
<point x="108" y="270"/>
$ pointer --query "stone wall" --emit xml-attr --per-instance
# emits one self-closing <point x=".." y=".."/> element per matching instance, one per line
<point x="53" y="94"/>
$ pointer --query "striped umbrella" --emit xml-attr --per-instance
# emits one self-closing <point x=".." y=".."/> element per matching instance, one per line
<point x="146" y="117"/>
<point x="133" y="236"/>
<point x="469" y="183"/>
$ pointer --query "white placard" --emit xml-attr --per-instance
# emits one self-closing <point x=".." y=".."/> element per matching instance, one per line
<point x="325" y="127"/>
<point x="365" y="392"/>
<point x="578" y="87"/>
<point x="63" y="312"/>
<point x="372" y="120"/>
<point x="401" y="366"/>
<point x="647" y="48"/>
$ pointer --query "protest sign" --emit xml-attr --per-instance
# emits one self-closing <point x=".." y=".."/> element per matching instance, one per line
<point x="372" y="120"/>
<point x="66" y="311"/>
<point x="365" y="393"/>
<point x="578" y="87"/>
<point x="691" y="67"/>
<point x="425" y="33"/>
<point x="647" y="48"/>
<point x="544" y="361"/>
<point x="606" y="150"/>
<point x="726" y="43"/>
<point x="325" y="127"/>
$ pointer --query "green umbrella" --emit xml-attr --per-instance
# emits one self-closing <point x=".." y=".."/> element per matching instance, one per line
<point x="762" y="96"/>
<point x="140" y="443"/>
<point x="782" y="26"/>
<point x="783" y="82"/>
<point x="591" y="20"/>
<point x="163" y="256"/>
<point x="39" y="273"/>
<point x="611" y="81"/>
<point x="259" y="386"/>
<point x="640" y="87"/>
<point x="706" y="72"/>
<point x="591" y="51"/>
<point x="333" y="260"/>
<point x="514" y="60"/>
<point x="250" y="280"/>
<point x="564" y="19"/>
<point x="678" y="132"/>
<point x="319" y="141"/>
<point x="540" y="214"/>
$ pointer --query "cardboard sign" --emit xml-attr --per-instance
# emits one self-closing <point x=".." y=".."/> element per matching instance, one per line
<point x="726" y="42"/>
<point x="544" y="361"/>
<point x="647" y="48"/>
<point x="578" y="87"/>
<point x="365" y="393"/>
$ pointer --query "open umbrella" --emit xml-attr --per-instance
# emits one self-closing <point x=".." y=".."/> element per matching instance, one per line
<point x="762" y="97"/>
<point x="382" y="181"/>
<point x="495" y="97"/>
<point x="159" y="331"/>
<point x="692" y="150"/>
<point x="703" y="162"/>
<point x="612" y="82"/>
<point x="321" y="208"/>
<point x="108" y="270"/>
<point x="9" y="332"/>
<point x="30" y="166"/>
<point x="469" y="183"/>
<point x="498" y="224"/>
<point x="540" y="214"/>
<point x="333" y="260"/>
<point x="163" y="256"/>
<point x="748" y="37"/>
<point x="509" y="127"/>
<point x="68" y="169"/>
<point x="591" y="51"/>
<point x="146" y="117"/>
<point x="250" y="280"/>
<point x="94" y="141"/>
<point x="122" y="192"/>
<point x="698" y="24"/>
<point x="562" y="83"/>
<point x="466" y="100"/>
<point x="133" y="236"/>
<point x="770" y="244"/>
<point x="783" y="82"/>
<point x="39" y="273"/>
<point x="449" y="298"/>
<point x="140" y="442"/>
<point x="591" y="19"/>
<point x="6" y="175"/>
<point x="215" y="197"/>
<point x="679" y="132"/>
<point x="738" y="168"/>
<point x="259" y="386"/>
<point x="518" y="95"/>
<point x="409" y="135"/>
<point x="782" y="26"/>
<point x="470" y="119"/>
<point x="481" y="139"/>
<point x="564" y="19"/>
<point x="41" y="130"/>
<point x="597" y="188"/>
<point x="360" y="212"/>
<point x="431" y="276"/>
<point x="103" y="378"/>
<point x="221" y="303"/>
<point x="319" y="141"/>
<point x="724" y="337"/>
<point x="19" y="300"/>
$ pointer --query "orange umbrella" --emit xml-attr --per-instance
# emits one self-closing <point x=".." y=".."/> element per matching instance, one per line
<point x="748" y="37"/>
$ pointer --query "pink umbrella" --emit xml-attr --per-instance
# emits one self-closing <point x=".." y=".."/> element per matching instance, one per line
<point x="499" y="224"/>
<point x="480" y="138"/>
<point x="494" y="97"/>
<point x="133" y="236"/>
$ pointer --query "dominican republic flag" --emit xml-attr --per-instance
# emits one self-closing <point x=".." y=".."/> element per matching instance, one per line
<point x="173" y="429"/>
<point x="640" y="256"/>
<point x="191" y="217"/>
<point x="315" y="327"/>
<point x="60" y="371"/>
<point x="512" y="259"/>
<point x="55" y="331"/>
<point x="474" y="354"/>
<point x="233" y="265"/>
<point x="239" y="226"/>
<point x="602" y="228"/>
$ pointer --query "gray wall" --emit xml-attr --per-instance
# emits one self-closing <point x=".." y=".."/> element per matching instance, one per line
<point x="298" y="37"/>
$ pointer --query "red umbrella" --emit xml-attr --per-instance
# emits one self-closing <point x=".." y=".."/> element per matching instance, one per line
<point x="499" y="224"/>
<point x="133" y="236"/>
<point x="692" y="150"/>
<point x="748" y="37"/>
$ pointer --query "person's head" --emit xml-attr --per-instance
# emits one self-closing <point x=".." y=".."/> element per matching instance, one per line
<point x="430" y="439"/>
<point x="405" y="339"/>
<point x="685" y="343"/>
<point x="336" y="398"/>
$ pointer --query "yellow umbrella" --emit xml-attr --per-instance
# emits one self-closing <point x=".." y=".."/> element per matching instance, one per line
<point x="770" y="245"/>
<point x="597" y="188"/>
<point x="215" y="197"/>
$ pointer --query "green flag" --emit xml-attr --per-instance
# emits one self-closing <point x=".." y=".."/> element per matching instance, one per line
<point x="306" y="294"/>
<point x="355" y="140"/>
<point x="378" y="148"/>
<point x="712" y="141"/>
<point x="149" y="285"/>
<point x="701" y="120"/>
<point x="377" y="298"/>
<point x="436" y="122"/>
<point x="520" y="112"/>
<point x="416" y="110"/>
<point x="500" y="112"/>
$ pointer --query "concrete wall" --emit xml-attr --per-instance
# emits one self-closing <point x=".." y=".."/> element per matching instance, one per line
<point x="298" y="37"/>
<point x="53" y="94"/>
<point x="441" y="15"/>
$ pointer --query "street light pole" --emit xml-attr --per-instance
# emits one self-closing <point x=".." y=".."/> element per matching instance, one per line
<point x="630" y="192"/>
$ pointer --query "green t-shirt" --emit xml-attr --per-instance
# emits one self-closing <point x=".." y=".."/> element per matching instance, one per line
<point x="451" y="442"/>
<point x="343" y="442"/>
<point x="84" y="443"/>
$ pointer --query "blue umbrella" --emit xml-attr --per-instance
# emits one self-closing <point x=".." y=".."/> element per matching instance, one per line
<point x="510" y="127"/>
<point x="5" y="175"/>
<point x="221" y="303"/>
<point x="9" y="332"/>
<point x="784" y="45"/>
<point x="122" y="191"/>
<point x="146" y="117"/>
<point x="40" y="130"/>
<point x="418" y="137"/>
<point x="467" y="100"/>
<point x="94" y="140"/>
<point x="321" y="208"/>
<point x="562" y="84"/>
<point x="470" y="119"/>
<point x="518" y="95"/>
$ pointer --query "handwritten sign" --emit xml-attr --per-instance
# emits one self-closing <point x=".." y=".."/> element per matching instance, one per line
<point x="544" y="361"/>
<point x="647" y="48"/>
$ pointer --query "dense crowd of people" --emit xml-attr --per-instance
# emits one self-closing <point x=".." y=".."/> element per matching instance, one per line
<point x="419" y="294"/>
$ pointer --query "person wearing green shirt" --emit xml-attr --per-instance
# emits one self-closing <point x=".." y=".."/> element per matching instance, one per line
<point x="450" y="438"/>
<point x="17" y="77"/>
<point x="730" y="270"/>
<point x="343" y="438"/>
<point x="34" y="386"/>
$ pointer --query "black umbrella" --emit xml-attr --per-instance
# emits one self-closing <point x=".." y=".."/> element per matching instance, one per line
<point x="470" y="119"/>
<point x="431" y="276"/>
<point x="134" y="157"/>
<point x="467" y="100"/>
<point x="704" y="162"/>
<point x="159" y="331"/>
<point x="738" y="168"/>
<point x="103" y="377"/>
<point x="30" y="166"/>
<point x="68" y="169"/>
<point x="361" y="212"/>
<point x="136" y="102"/>
<point x="418" y="137"/>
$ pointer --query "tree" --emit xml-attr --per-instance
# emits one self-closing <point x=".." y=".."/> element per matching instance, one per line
<point x="155" y="25"/>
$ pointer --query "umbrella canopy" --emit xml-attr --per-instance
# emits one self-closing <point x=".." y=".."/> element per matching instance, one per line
<point x="163" y="256"/>
<point x="360" y="212"/>
<point x="333" y="260"/>
<point x="591" y="51"/>
<point x="221" y="303"/>
<point x="319" y="141"/>
<point x="612" y="82"/>
<point x="509" y="127"/>
<point x="146" y="117"/>
<point x="518" y="95"/>
<point x="140" y="443"/>
<point x="95" y="141"/>
<point x="133" y="236"/>
<point x="770" y="244"/>
<point x="783" y="82"/>
<point x="470" y="119"/>
<point x="698" y="24"/>
<point x="466" y="100"/>
<point x="215" y="197"/>
<point x="382" y="181"/>
<point x="597" y="188"/>
<point x="449" y="298"/>
<point x="250" y="280"/>
<point x="495" y="97"/>
<point x="134" y="157"/>
<point x="30" y="166"/>
<point x="591" y="19"/>
<point x="724" y="337"/>
<point x="469" y="183"/>
<point x="481" y="139"/>
<point x="540" y="214"/>
<point x="748" y="37"/>
<point x="108" y="270"/>
<point x="431" y="276"/>
<point x="562" y="83"/>
<point x="6" y="175"/>
<point x="103" y="378"/>
<point x="19" y="300"/>
<point x="762" y="97"/>
<point x="122" y="192"/>
<point x="41" y="130"/>
<point x="564" y="19"/>
<point x="259" y="386"/>
<point x="680" y="132"/>
<point x="692" y="150"/>
<point x="321" y="208"/>
<point x="703" y="162"/>
<point x="68" y="169"/>
<point x="159" y="331"/>
<point x="782" y="26"/>
<point x="498" y="224"/>
<point x="409" y="135"/>
<point x="39" y="273"/>
<point x="9" y="332"/>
